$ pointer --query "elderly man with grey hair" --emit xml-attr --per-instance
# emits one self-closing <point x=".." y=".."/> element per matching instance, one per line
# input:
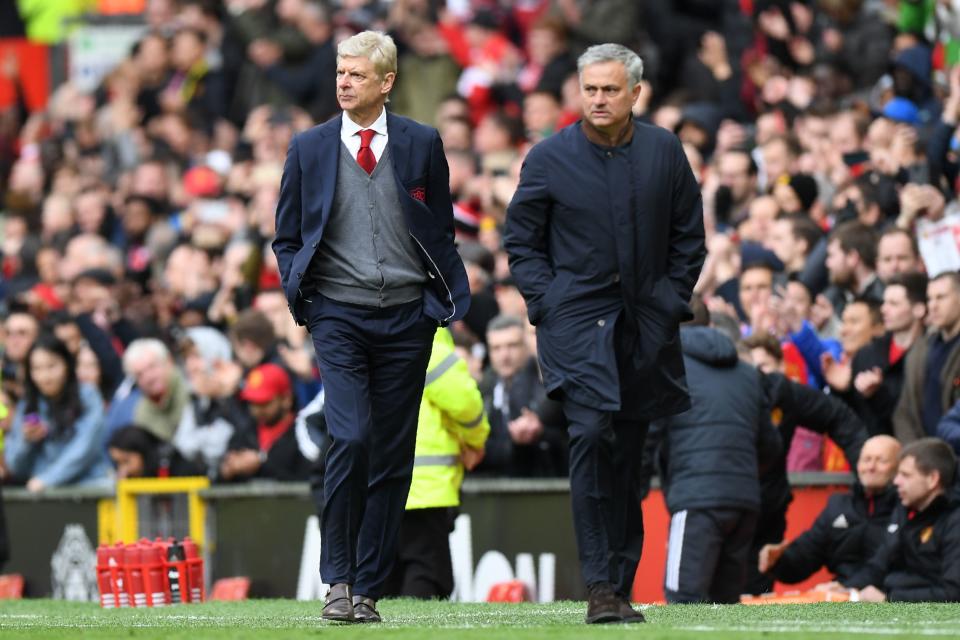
<point x="365" y="249"/>
<point x="154" y="393"/>
<point x="605" y="240"/>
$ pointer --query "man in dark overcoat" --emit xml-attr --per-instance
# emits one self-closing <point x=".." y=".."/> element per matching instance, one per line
<point x="605" y="240"/>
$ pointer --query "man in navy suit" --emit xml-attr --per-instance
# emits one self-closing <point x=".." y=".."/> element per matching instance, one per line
<point x="367" y="259"/>
<point x="605" y="240"/>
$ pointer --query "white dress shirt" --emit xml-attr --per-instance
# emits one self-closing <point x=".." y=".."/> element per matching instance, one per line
<point x="350" y="134"/>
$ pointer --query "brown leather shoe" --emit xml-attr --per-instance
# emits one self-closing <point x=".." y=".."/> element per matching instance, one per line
<point x="603" y="604"/>
<point x="365" y="609"/>
<point x="339" y="607"/>
<point x="629" y="614"/>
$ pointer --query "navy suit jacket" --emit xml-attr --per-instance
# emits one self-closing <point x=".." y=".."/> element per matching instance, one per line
<point x="552" y="237"/>
<point x="423" y="183"/>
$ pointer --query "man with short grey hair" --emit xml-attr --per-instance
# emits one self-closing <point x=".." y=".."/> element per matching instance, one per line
<point x="367" y="260"/>
<point x="605" y="240"/>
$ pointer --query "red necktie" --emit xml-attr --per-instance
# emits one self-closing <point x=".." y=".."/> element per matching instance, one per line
<point x="365" y="157"/>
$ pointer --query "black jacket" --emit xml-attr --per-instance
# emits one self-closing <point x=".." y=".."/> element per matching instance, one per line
<point x="283" y="462"/>
<point x="877" y="410"/>
<point x="709" y="455"/>
<point x="503" y="457"/>
<point x="577" y="209"/>
<point x="798" y="404"/>
<point x="843" y="537"/>
<point x="919" y="559"/>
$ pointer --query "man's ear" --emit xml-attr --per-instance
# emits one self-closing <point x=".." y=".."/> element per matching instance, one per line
<point x="386" y="85"/>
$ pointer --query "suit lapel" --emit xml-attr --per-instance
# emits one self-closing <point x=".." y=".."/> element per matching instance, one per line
<point x="329" y="160"/>
<point x="399" y="143"/>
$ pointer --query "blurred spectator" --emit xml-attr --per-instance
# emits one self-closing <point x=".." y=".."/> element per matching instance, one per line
<point x="877" y="369"/>
<point x="20" y="331"/>
<point x="897" y="253"/>
<point x="851" y="261"/>
<point x="213" y="414"/>
<point x="269" y="450"/>
<point x="526" y="436"/>
<point x="154" y="393"/>
<point x="56" y="435"/>
<point x="137" y="453"/>
<point x="932" y="365"/>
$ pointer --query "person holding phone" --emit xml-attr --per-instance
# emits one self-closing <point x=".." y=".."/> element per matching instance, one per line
<point x="55" y="438"/>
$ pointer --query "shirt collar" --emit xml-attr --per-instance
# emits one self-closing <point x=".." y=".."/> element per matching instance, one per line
<point x="351" y="128"/>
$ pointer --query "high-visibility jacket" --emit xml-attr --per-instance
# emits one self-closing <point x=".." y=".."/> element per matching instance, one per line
<point x="451" y="417"/>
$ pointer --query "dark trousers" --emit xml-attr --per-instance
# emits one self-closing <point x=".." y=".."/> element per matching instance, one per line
<point x="707" y="555"/>
<point x="372" y="363"/>
<point x="605" y="451"/>
<point x="423" y="568"/>
<point x="771" y="529"/>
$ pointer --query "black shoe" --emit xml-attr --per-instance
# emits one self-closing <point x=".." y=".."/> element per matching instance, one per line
<point x="339" y="607"/>
<point x="603" y="604"/>
<point x="628" y="613"/>
<point x="365" y="609"/>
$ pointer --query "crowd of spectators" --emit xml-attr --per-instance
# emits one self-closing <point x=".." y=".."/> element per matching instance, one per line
<point x="144" y="331"/>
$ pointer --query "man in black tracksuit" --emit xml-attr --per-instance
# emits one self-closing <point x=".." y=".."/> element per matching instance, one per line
<point x="849" y="529"/>
<point x="795" y="404"/>
<point x="709" y="470"/>
<point x="919" y="560"/>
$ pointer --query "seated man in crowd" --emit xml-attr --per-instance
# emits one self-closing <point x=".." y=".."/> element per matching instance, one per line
<point x="154" y="394"/>
<point x="851" y="526"/>
<point x="919" y="559"/>
<point x="270" y="451"/>
<point x="526" y="438"/>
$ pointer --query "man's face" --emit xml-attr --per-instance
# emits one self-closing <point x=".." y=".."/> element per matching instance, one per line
<point x="152" y="375"/>
<point x="798" y="297"/>
<point x="764" y="360"/>
<point x="734" y="172"/>
<point x="270" y="412"/>
<point x="508" y="351"/>
<point x="776" y="160"/>
<point x="877" y="464"/>
<point x="914" y="487"/>
<point x="840" y="264"/>
<point x="606" y="97"/>
<point x="843" y="134"/>
<point x="69" y="334"/>
<point x="897" y="311"/>
<point x="360" y="89"/>
<point x="943" y="304"/>
<point x="783" y="243"/>
<point x="895" y="255"/>
<point x="857" y="327"/>
<point x="21" y="331"/>
<point x="540" y="113"/>
<point x="756" y="285"/>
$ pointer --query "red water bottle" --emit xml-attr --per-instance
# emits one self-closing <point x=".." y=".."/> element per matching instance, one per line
<point x="133" y="561"/>
<point x="194" y="570"/>
<point x="153" y="570"/>
<point x="115" y="557"/>
<point x="105" y="582"/>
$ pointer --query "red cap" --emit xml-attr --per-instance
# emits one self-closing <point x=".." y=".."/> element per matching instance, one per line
<point x="264" y="383"/>
<point x="202" y="182"/>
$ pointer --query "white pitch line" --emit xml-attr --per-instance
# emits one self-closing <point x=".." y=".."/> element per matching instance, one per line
<point x="832" y="630"/>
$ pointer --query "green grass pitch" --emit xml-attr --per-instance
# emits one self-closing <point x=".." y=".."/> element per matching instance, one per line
<point x="410" y="620"/>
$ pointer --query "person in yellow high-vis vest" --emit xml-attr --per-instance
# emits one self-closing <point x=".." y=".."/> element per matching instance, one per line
<point x="451" y="433"/>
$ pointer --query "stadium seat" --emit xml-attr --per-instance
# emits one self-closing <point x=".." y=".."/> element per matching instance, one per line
<point x="11" y="587"/>
<point x="230" y="589"/>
